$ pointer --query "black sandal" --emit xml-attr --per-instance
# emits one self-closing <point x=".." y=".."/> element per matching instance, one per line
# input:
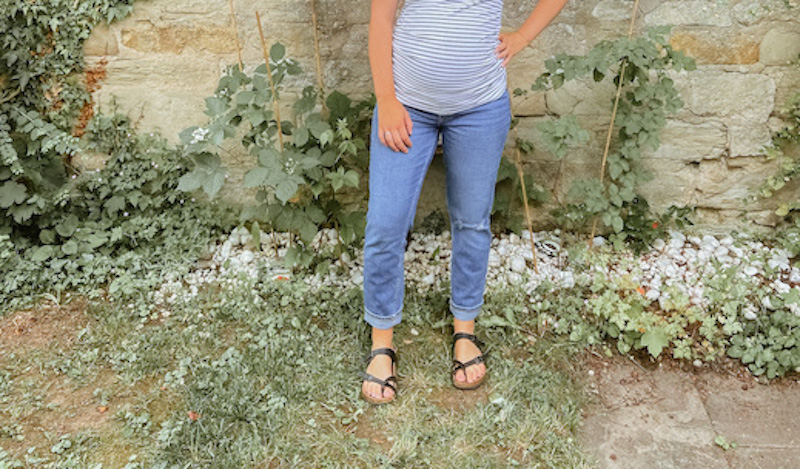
<point x="390" y="382"/>
<point x="457" y="365"/>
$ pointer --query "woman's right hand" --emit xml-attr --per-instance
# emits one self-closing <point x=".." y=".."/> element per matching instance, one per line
<point x="394" y="125"/>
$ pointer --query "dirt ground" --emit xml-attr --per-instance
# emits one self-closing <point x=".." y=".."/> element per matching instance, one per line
<point x="643" y="414"/>
<point x="51" y="404"/>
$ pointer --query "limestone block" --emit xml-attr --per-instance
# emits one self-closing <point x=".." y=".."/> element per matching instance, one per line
<point x="749" y="97"/>
<point x="721" y="222"/>
<point x="339" y="14"/>
<point x="780" y="47"/>
<point x="522" y="72"/>
<point x="532" y="104"/>
<point x="722" y="185"/>
<point x="102" y="41"/>
<point x="691" y="12"/>
<point x="766" y="218"/>
<point x="787" y="82"/>
<point x="687" y="142"/>
<point x="515" y="12"/>
<point x="747" y="138"/>
<point x="562" y="177"/>
<point x="717" y="47"/>
<point x="564" y="38"/>
<point x="673" y="183"/>
<point x="618" y="10"/>
<point x="750" y="12"/>
<point x="613" y="10"/>
<point x="165" y="92"/>
<point x="582" y="96"/>
<point x="144" y="36"/>
<point x="347" y="67"/>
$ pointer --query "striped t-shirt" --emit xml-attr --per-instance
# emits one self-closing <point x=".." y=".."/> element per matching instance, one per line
<point x="443" y="54"/>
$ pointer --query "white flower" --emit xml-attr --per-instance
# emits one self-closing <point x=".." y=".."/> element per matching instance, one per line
<point x="198" y="135"/>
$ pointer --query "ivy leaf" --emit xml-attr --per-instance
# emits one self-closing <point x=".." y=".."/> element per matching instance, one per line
<point x="70" y="248"/>
<point x="12" y="193"/>
<point x="67" y="226"/>
<point x="42" y="253"/>
<point x="655" y="340"/>
<point x="115" y="204"/>
<point x="351" y="178"/>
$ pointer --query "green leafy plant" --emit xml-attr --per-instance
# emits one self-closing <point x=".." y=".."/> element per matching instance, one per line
<point x="42" y="94"/>
<point x="308" y="171"/>
<point x="119" y="227"/>
<point x="648" y="97"/>
<point x="784" y="148"/>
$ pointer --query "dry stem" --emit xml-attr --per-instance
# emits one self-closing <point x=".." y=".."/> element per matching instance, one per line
<point x="236" y="35"/>
<point x="271" y="82"/>
<point x="614" y="116"/>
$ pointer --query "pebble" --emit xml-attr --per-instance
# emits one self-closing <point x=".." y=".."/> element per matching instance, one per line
<point x="518" y="265"/>
<point x="680" y="262"/>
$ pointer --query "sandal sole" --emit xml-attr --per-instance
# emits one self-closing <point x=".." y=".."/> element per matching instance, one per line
<point x="469" y="387"/>
<point x="372" y="400"/>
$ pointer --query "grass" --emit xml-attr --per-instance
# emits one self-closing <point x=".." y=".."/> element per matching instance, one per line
<point x="265" y="375"/>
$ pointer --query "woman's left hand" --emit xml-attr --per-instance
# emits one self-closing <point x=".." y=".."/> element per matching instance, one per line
<point x="510" y="45"/>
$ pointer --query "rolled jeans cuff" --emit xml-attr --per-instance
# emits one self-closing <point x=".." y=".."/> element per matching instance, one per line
<point x="464" y="314"/>
<point x="383" y="322"/>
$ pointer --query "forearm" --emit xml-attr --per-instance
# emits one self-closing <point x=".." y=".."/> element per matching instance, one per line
<point x="540" y="17"/>
<point x="381" y="26"/>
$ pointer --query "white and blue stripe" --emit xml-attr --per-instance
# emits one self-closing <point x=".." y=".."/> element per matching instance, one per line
<point x="443" y="54"/>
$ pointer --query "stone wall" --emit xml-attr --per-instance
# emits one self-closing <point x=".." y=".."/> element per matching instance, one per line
<point x="166" y="58"/>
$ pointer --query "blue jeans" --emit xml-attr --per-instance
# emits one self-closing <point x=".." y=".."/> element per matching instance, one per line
<point x="473" y="142"/>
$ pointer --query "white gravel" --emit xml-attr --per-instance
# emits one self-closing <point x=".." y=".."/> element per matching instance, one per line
<point x="681" y="262"/>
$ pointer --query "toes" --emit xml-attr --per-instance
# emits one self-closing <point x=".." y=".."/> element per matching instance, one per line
<point x="460" y="375"/>
<point x="479" y="372"/>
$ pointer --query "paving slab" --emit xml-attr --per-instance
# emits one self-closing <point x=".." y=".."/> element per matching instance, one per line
<point x="664" y="417"/>
<point x="762" y="419"/>
<point x="652" y="419"/>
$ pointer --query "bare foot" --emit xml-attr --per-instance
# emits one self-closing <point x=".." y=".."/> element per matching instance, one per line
<point x="465" y="351"/>
<point x="381" y="368"/>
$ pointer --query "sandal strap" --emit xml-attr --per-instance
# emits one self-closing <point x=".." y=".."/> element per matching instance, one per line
<point x="465" y="335"/>
<point x="383" y="382"/>
<point x="382" y="351"/>
<point x="457" y="365"/>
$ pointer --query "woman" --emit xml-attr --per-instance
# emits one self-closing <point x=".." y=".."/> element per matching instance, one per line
<point x="439" y="70"/>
